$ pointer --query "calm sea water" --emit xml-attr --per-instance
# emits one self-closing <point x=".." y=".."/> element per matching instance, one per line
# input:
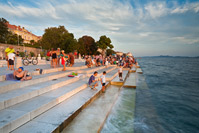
<point x="167" y="99"/>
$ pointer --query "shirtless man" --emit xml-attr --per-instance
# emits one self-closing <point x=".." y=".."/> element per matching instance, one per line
<point x="20" y="74"/>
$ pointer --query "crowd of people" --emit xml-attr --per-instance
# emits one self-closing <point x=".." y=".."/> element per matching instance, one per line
<point x="58" y="56"/>
<point x="99" y="60"/>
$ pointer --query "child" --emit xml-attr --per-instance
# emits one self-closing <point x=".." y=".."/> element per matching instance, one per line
<point x="11" y="58"/>
<point x="103" y="81"/>
<point x="92" y="81"/>
<point x="106" y="62"/>
<point x="120" y="73"/>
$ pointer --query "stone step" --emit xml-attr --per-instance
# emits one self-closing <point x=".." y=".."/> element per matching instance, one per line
<point x="111" y="75"/>
<point x="133" y="69"/>
<point x="17" y="115"/>
<point x="91" y="70"/>
<point x="130" y="81"/>
<point x="139" y="70"/>
<point x="19" y="95"/>
<point x="66" y="111"/>
<point x="51" y="70"/>
<point x="16" y="96"/>
<point x="49" y="75"/>
<point x="91" y="119"/>
<point x="6" y="86"/>
<point x="116" y="80"/>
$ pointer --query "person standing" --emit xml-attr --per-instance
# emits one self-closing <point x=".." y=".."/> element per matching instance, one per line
<point x="63" y="60"/>
<point x="11" y="58"/>
<point x="54" y="58"/>
<point x="72" y="59"/>
<point x="8" y="50"/>
<point x="58" y="57"/>
<point x="106" y="62"/>
<point x="103" y="81"/>
<point x="120" y="73"/>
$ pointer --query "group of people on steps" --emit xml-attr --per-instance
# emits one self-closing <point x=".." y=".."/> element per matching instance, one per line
<point x="60" y="57"/>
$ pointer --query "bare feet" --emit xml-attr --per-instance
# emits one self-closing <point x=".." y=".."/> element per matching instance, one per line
<point x="94" y="89"/>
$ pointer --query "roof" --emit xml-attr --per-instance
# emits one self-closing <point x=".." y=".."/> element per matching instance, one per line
<point x="14" y="27"/>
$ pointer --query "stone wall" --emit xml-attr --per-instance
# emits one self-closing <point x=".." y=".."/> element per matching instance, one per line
<point x="18" y="48"/>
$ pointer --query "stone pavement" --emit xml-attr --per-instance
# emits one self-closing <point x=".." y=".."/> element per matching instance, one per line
<point x="31" y="68"/>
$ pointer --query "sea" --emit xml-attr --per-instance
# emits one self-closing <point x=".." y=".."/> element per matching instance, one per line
<point x="166" y="99"/>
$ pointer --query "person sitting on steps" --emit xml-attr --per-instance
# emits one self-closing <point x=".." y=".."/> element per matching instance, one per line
<point x="21" y="75"/>
<point x="92" y="81"/>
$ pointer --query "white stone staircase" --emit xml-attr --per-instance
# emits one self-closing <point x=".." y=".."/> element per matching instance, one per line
<point x="23" y="103"/>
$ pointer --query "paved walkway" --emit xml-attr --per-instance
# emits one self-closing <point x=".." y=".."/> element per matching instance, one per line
<point x="31" y="68"/>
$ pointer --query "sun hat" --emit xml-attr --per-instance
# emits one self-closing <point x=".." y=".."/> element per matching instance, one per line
<point x="21" y="68"/>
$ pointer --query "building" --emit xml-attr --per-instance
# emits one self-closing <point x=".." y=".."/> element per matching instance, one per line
<point x="119" y="53"/>
<point x="25" y="34"/>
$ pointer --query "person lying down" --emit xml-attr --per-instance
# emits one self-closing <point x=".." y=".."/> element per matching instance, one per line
<point x="21" y="75"/>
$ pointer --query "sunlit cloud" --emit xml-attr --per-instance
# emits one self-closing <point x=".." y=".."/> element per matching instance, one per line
<point x="131" y="25"/>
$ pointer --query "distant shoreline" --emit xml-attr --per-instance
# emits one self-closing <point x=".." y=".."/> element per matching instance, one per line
<point x="168" y="56"/>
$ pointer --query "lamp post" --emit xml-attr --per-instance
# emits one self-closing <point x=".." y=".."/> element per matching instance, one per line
<point x="24" y="47"/>
<point x="41" y="48"/>
<point x="18" y="35"/>
<point x="18" y="38"/>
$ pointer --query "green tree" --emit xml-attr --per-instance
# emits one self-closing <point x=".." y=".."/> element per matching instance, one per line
<point x="32" y="42"/>
<point x="13" y="39"/>
<point x="104" y="43"/>
<point x="110" y="52"/>
<point x="58" y="37"/>
<point x="87" y="45"/>
<point x="3" y="30"/>
<point x="69" y="43"/>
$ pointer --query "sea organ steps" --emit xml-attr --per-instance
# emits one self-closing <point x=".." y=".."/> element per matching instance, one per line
<point x="58" y="117"/>
<point x="16" y="115"/>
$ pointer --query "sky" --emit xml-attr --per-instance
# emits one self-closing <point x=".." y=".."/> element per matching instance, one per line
<point x="143" y="27"/>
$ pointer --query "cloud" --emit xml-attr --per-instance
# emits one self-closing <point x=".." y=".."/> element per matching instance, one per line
<point x="130" y="26"/>
<point x="156" y="9"/>
<point x="186" y="7"/>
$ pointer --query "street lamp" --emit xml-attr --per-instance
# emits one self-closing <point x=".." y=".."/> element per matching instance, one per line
<point x="24" y="47"/>
<point x="41" y="48"/>
<point x="18" y="35"/>
<point x="18" y="38"/>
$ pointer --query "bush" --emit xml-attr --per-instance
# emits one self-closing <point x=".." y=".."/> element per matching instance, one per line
<point x="32" y="54"/>
<point x="21" y="54"/>
<point x="42" y="54"/>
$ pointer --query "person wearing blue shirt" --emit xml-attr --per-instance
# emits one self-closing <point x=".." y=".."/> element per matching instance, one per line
<point x="92" y="81"/>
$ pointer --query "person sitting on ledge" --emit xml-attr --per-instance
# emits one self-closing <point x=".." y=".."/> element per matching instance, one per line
<point x="20" y="74"/>
<point x="92" y="81"/>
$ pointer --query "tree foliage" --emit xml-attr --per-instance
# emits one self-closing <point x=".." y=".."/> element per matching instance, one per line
<point x="87" y="45"/>
<point x="58" y="38"/>
<point x="6" y="36"/>
<point x="13" y="39"/>
<point x="110" y="52"/>
<point x="3" y="30"/>
<point x="104" y="43"/>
